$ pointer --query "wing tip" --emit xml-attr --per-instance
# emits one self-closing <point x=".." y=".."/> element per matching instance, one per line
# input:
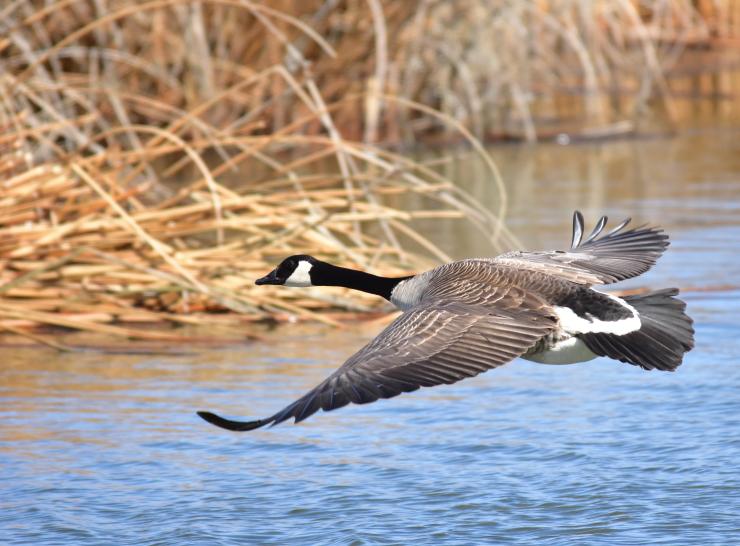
<point x="659" y="234"/>
<point x="228" y="424"/>
<point x="577" y="234"/>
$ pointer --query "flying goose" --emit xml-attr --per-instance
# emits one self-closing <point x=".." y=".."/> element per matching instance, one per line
<point x="466" y="317"/>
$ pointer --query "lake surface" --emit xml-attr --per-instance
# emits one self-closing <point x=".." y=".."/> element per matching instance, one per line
<point x="107" y="449"/>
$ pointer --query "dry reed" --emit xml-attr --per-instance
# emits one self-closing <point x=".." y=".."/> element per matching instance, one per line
<point x="158" y="156"/>
<point x="144" y="188"/>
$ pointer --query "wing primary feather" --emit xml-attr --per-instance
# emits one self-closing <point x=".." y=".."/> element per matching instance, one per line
<point x="228" y="424"/>
<point x="327" y="397"/>
<point x="621" y="226"/>
<point x="310" y="406"/>
<point x="577" y="229"/>
<point x="598" y="228"/>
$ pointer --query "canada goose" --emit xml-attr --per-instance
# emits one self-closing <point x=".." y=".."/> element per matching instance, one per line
<point x="466" y="317"/>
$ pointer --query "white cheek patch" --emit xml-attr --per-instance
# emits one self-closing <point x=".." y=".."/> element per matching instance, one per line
<point x="300" y="276"/>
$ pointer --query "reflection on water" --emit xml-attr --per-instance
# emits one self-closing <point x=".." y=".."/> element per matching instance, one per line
<point x="680" y="183"/>
<point x="107" y="450"/>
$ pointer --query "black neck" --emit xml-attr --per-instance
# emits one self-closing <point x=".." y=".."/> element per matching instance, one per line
<point x="324" y="274"/>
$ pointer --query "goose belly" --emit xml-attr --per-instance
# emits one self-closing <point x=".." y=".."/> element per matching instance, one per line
<point x="564" y="351"/>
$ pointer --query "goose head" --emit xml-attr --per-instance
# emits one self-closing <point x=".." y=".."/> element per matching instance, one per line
<point x="304" y="270"/>
<point x="292" y="271"/>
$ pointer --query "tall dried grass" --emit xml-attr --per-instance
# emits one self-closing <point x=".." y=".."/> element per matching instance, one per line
<point x="157" y="156"/>
<point x="145" y="177"/>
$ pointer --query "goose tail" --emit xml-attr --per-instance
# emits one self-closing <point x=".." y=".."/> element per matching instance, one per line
<point x="665" y="334"/>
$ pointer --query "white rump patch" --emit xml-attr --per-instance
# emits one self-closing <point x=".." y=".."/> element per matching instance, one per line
<point x="573" y="324"/>
<point x="300" y="276"/>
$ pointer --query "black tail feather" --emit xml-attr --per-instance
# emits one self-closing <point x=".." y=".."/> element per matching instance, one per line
<point x="666" y="333"/>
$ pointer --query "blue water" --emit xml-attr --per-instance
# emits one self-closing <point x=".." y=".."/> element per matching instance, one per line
<point x="107" y="449"/>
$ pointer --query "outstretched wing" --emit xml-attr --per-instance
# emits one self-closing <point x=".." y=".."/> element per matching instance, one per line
<point x="441" y="342"/>
<point x="613" y="257"/>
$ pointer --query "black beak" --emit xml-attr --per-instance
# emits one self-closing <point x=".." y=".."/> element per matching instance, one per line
<point x="270" y="278"/>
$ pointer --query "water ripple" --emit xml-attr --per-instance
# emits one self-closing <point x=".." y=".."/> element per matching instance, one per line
<point x="595" y="453"/>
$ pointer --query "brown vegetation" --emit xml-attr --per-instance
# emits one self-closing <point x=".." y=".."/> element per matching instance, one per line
<point x="157" y="156"/>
